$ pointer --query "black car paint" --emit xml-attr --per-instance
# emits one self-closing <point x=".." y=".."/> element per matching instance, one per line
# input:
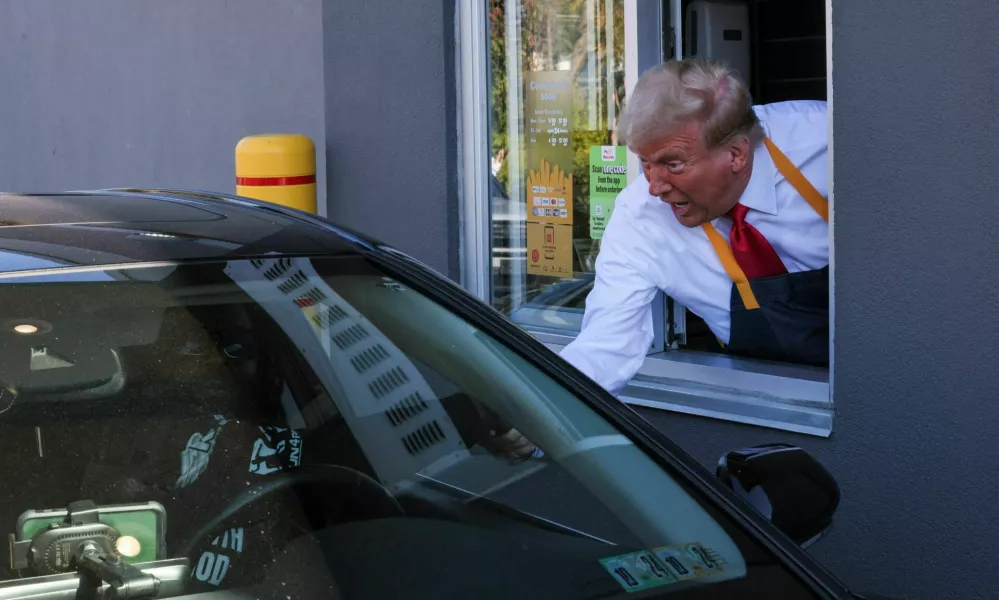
<point x="93" y="229"/>
<point x="290" y="232"/>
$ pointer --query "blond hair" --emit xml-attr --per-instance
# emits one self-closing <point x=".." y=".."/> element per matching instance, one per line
<point x="676" y="93"/>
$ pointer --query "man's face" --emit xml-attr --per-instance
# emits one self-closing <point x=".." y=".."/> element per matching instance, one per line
<point x="698" y="184"/>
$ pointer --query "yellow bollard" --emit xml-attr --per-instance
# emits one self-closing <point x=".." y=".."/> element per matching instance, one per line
<point x="278" y="168"/>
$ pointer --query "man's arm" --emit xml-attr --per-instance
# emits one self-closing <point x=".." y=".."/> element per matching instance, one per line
<point x="617" y="325"/>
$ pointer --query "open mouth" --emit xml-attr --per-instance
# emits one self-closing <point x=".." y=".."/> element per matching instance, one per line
<point x="680" y="208"/>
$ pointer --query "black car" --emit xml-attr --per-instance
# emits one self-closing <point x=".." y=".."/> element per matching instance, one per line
<point x="207" y="396"/>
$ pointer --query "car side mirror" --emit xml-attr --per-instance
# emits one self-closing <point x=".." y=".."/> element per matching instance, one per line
<point x="786" y="485"/>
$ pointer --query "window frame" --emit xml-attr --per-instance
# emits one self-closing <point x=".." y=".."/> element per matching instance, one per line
<point x="785" y="397"/>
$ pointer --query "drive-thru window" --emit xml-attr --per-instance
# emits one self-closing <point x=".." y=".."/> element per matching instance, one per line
<point x="543" y="83"/>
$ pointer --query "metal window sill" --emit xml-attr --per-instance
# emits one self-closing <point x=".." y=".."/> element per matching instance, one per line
<point x="765" y="394"/>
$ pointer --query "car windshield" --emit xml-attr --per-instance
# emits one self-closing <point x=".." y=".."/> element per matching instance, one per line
<point x="320" y="427"/>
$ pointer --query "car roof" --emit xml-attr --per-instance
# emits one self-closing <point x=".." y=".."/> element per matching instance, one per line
<point x="107" y="227"/>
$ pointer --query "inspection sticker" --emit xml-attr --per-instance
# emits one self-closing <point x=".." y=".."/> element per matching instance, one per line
<point x="638" y="571"/>
<point x="690" y="561"/>
<point x="646" y="569"/>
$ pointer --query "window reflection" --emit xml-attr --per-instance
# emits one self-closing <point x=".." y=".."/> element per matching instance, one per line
<point x="557" y="87"/>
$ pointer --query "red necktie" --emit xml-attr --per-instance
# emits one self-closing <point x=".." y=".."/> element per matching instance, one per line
<point x="752" y="251"/>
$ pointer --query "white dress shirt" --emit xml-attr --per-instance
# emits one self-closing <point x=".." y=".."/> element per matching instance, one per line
<point x="645" y="248"/>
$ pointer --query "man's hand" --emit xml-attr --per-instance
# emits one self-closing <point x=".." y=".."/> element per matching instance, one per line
<point x="511" y="446"/>
<point x="489" y="430"/>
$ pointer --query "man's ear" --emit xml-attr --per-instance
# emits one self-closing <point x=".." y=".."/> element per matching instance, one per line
<point x="739" y="150"/>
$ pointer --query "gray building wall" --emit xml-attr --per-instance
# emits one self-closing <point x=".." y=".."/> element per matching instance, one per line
<point x="391" y="124"/>
<point x="915" y="443"/>
<point x="107" y="93"/>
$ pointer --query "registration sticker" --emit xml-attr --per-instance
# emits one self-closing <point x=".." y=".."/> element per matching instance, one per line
<point x="638" y="571"/>
<point x="646" y="569"/>
<point x="690" y="561"/>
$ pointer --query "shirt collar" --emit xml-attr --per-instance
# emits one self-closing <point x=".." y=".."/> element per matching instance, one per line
<point x="761" y="192"/>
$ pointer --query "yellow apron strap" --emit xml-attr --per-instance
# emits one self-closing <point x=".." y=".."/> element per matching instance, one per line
<point x="724" y="252"/>
<point x="732" y="267"/>
<point x="798" y="181"/>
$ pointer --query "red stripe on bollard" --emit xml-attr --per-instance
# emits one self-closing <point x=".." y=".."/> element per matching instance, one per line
<point x="275" y="181"/>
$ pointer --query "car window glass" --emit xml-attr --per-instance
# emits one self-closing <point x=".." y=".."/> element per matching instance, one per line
<point x="319" y="426"/>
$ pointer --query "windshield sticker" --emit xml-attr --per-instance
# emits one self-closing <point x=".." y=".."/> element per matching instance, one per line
<point x="638" y="571"/>
<point x="644" y="569"/>
<point x="212" y="568"/>
<point x="230" y="540"/>
<point x="278" y="448"/>
<point x="690" y="561"/>
<point x="194" y="458"/>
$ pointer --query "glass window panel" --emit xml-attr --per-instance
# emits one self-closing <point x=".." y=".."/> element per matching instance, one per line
<point x="557" y="87"/>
